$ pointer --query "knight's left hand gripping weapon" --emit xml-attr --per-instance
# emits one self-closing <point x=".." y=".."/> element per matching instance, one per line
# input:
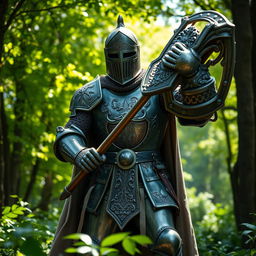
<point x="216" y="36"/>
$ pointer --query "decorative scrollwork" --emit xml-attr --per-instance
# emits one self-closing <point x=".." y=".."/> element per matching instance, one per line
<point x="123" y="203"/>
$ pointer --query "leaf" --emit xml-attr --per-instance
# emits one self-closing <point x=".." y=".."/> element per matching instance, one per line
<point x="246" y="232"/>
<point x="19" y="211"/>
<point x="14" y="206"/>
<point x="250" y="226"/>
<point x="71" y="250"/>
<point x="11" y="215"/>
<point x="73" y="236"/>
<point x="6" y="210"/>
<point x="79" y="243"/>
<point x="141" y="239"/>
<point x="84" y="249"/>
<point x="253" y="252"/>
<point x="137" y="251"/>
<point x="14" y="196"/>
<point x="114" y="239"/>
<point x="85" y="238"/>
<point x="107" y="250"/>
<point x="129" y="245"/>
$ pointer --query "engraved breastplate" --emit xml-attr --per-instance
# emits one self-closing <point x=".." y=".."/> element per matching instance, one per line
<point x="144" y="132"/>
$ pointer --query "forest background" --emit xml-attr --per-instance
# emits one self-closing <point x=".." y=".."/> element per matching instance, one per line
<point x="48" y="49"/>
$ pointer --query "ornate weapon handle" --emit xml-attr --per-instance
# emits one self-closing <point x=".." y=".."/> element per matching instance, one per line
<point x="216" y="36"/>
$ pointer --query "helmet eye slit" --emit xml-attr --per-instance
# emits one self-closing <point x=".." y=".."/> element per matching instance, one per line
<point x="113" y="55"/>
<point x="128" y="54"/>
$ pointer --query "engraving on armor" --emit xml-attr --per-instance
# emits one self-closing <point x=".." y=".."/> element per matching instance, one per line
<point x="187" y="36"/>
<point x="123" y="202"/>
<point x="87" y="97"/>
<point x="117" y="108"/>
<point x="144" y="132"/>
<point x="156" y="190"/>
<point x="199" y="98"/>
<point x="158" y="75"/>
<point x="161" y="196"/>
<point x="201" y="78"/>
<point x="153" y="120"/>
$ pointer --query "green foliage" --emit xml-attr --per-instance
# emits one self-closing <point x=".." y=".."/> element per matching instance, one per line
<point x="250" y="234"/>
<point x="129" y="244"/>
<point x="23" y="232"/>
<point x="217" y="235"/>
<point x="48" y="54"/>
<point x="200" y="204"/>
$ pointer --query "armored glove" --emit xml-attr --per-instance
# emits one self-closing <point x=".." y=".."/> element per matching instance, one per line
<point x="89" y="159"/>
<point x="70" y="146"/>
<point x="185" y="61"/>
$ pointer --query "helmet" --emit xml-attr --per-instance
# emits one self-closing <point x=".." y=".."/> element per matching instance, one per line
<point x="122" y="54"/>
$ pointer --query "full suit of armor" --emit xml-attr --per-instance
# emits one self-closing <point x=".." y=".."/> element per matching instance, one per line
<point x="130" y="187"/>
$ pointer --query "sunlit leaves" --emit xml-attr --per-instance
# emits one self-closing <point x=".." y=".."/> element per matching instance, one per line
<point x="113" y="239"/>
<point x="107" y="246"/>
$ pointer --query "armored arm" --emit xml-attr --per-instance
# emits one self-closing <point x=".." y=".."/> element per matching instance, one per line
<point x="71" y="144"/>
<point x="196" y="84"/>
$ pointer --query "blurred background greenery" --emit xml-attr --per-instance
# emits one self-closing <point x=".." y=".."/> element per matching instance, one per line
<point x="48" y="49"/>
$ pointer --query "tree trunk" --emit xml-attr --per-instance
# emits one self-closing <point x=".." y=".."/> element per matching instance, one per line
<point x="253" y="22"/>
<point x="243" y="175"/>
<point x="19" y="110"/>
<point x="46" y="193"/>
<point x="32" y="180"/>
<point x="3" y="124"/>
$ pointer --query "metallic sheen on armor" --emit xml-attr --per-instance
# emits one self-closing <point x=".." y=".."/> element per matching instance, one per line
<point x="134" y="181"/>
<point x="144" y="132"/>
<point x="69" y="142"/>
<point x="122" y="54"/>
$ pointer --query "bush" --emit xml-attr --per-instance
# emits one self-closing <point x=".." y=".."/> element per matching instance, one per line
<point x="107" y="247"/>
<point x="25" y="233"/>
<point x="217" y="235"/>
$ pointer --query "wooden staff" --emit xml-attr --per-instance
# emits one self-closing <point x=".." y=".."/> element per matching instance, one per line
<point x="106" y="144"/>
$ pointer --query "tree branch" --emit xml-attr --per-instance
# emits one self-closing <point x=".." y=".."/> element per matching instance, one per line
<point x="49" y="8"/>
<point x="202" y="6"/>
<point x="13" y="14"/>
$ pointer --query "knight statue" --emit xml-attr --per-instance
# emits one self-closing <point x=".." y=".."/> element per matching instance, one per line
<point x="137" y="184"/>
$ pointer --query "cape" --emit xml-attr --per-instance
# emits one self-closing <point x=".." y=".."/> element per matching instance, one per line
<point x="73" y="211"/>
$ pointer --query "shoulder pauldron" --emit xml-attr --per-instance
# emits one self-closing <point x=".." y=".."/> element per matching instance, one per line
<point x="87" y="97"/>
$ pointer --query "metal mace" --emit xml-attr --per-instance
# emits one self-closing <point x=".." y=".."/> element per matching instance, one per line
<point x="217" y="36"/>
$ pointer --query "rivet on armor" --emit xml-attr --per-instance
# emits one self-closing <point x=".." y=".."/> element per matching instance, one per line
<point x="126" y="159"/>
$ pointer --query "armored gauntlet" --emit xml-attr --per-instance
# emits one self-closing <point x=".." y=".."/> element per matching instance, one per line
<point x="197" y="86"/>
<point x="185" y="61"/>
<point x="70" y="146"/>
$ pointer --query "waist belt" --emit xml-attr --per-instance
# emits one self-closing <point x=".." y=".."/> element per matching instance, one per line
<point x="127" y="158"/>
